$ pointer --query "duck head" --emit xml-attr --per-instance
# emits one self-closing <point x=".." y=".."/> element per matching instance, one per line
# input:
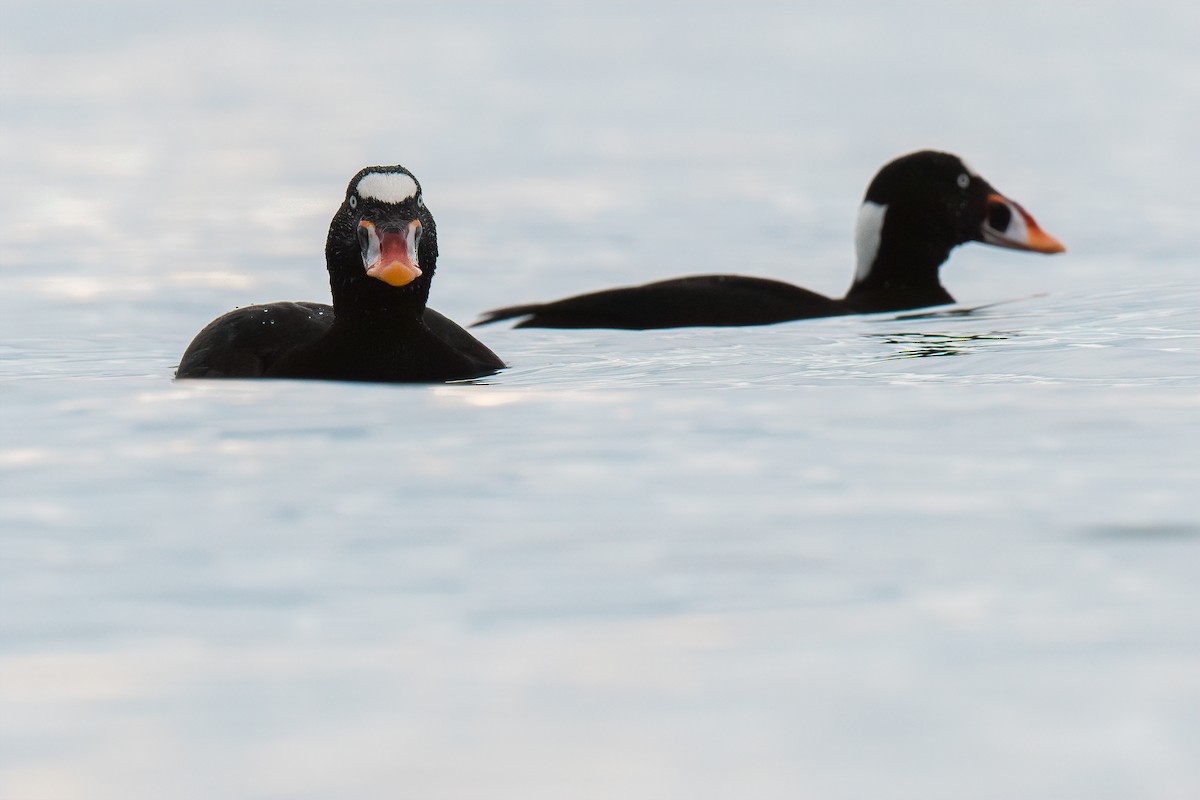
<point x="916" y="210"/>
<point x="382" y="246"/>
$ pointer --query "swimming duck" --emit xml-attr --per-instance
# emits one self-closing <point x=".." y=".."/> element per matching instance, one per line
<point x="916" y="210"/>
<point x="381" y="253"/>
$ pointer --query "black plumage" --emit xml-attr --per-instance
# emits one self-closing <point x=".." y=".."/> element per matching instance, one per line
<point x="916" y="210"/>
<point x="381" y="254"/>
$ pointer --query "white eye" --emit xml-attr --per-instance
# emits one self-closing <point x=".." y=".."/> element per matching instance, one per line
<point x="420" y="201"/>
<point x="353" y="201"/>
<point x="963" y="181"/>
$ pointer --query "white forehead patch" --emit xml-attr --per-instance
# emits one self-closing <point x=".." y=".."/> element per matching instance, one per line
<point x="970" y="170"/>
<point x="387" y="187"/>
<point x="867" y="233"/>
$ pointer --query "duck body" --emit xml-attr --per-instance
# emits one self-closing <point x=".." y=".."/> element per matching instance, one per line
<point x="247" y="342"/>
<point x="916" y="210"/>
<point x="388" y="351"/>
<point x="381" y="253"/>
<point x="716" y="300"/>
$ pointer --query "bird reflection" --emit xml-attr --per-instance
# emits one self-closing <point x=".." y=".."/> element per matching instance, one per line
<point x="925" y="345"/>
<point x="969" y="311"/>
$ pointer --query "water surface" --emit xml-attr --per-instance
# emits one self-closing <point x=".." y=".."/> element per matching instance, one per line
<point x="944" y="554"/>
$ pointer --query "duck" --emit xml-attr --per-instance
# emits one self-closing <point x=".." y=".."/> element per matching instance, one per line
<point x="381" y="254"/>
<point x="916" y="209"/>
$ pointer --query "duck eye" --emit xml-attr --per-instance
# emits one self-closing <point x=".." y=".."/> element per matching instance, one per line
<point x="353" y="201"/>
<point x="420" y="201"/>
<point x="964" y="181"/>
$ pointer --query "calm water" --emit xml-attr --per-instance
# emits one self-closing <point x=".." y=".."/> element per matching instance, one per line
<point x="926" y="555"/>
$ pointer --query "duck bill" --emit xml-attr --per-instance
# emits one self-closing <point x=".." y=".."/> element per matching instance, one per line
<point x="1009" y="225"/>
<point x="392" y="256"/>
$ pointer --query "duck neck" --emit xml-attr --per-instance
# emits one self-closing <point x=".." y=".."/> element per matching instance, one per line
<point x="361" y="300"/>
<point x="897" y="270"/>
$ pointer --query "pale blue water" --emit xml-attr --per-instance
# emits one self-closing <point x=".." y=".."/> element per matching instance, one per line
<point x="913" y="556"/>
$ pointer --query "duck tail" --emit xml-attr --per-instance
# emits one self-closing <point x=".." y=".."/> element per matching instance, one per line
<point x="508" y="312"/>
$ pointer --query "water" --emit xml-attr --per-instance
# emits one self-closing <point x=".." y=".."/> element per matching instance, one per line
<point x="920" y="555"/>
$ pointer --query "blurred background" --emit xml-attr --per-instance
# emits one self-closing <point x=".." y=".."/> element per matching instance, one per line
<point x="942" y="557"/>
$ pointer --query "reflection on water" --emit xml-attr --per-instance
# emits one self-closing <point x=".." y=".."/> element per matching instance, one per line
<point x="923" y="345"/>
<point x="969" y="311"/>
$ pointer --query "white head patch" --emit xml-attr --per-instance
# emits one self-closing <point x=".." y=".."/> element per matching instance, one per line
<point x="387" y="187"/>
<point x="867" y="233"/>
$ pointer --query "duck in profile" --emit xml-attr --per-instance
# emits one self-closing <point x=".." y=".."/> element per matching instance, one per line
<point x="381" y="253"/>
<point x="916" y="210"/>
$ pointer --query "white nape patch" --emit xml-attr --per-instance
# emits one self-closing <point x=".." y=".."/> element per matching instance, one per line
<point x="387" y="187"/>
<point x="867" y="233"/>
